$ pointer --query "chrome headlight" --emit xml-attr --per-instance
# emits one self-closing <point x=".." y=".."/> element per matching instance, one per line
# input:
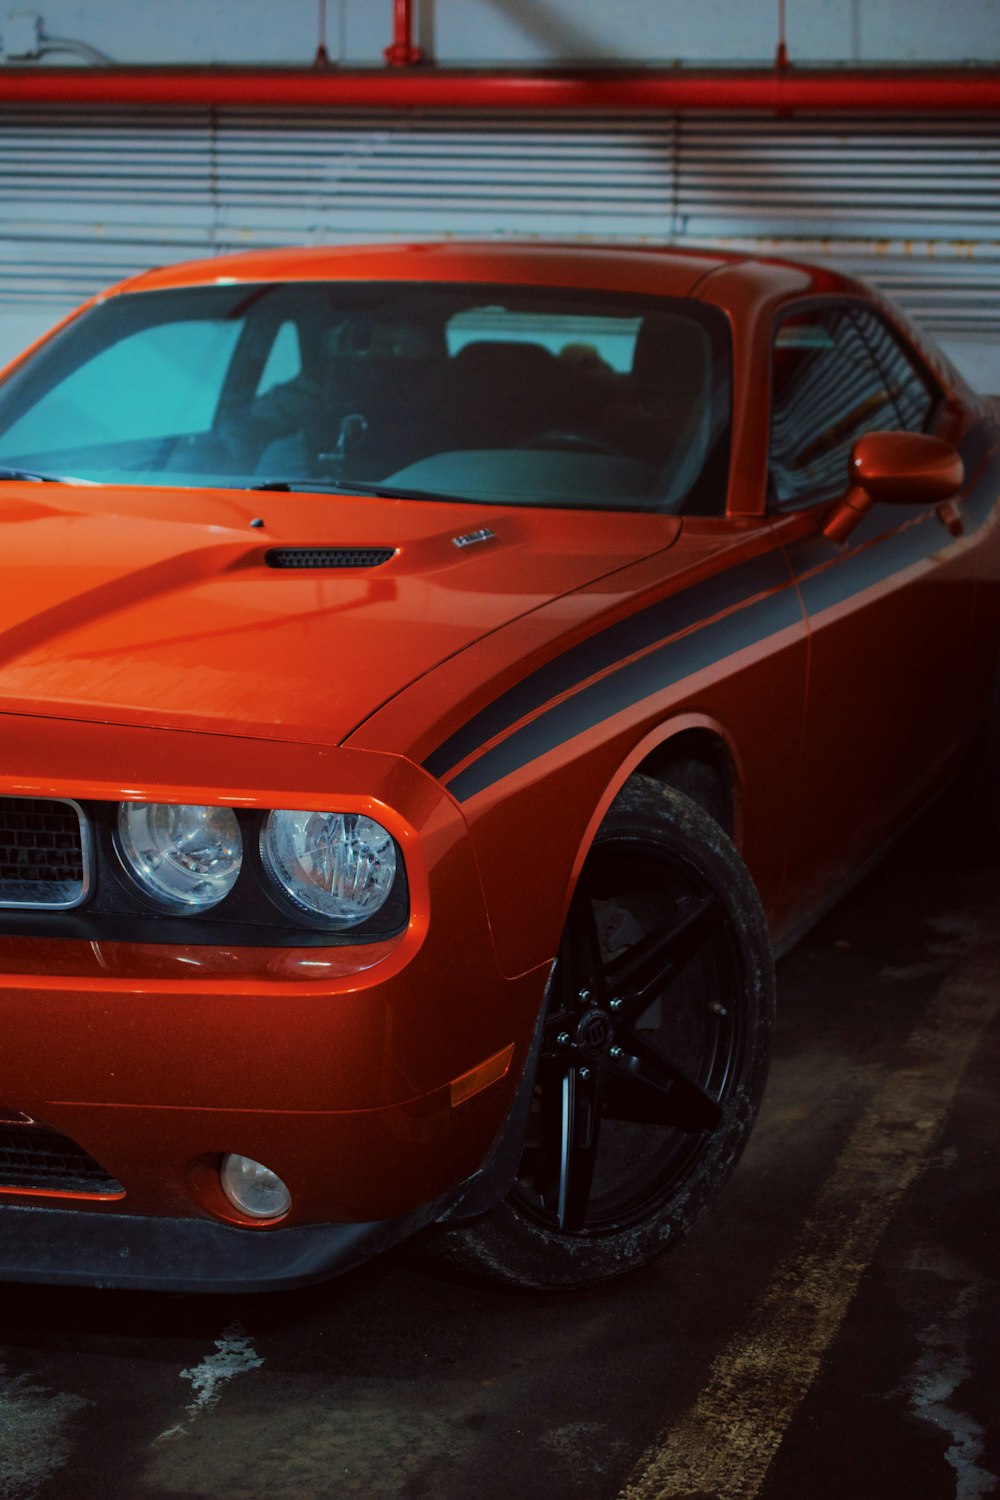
<point x="185" y="858"/>
<point x="339" y="867"/>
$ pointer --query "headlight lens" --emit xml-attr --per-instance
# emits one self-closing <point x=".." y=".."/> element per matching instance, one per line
<point x="337" y="866"/>
<point x="185" y="858"/>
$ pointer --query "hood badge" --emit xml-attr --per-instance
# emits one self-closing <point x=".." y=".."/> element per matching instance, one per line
<point x="471" y="538"/>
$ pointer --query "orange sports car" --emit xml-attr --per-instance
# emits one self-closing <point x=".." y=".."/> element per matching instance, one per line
<point x="435" y="679"/>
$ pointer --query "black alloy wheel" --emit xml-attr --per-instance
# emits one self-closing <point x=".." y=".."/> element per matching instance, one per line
<point x="637" y="1049"/>
<point x="653" y="1054"/>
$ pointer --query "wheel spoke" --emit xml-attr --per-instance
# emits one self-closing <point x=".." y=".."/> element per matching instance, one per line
<point x="650" y="964"/>
<point x="579" y="1130"/>
<point x="587" y="969"/>
<point x="645" y="1087"/>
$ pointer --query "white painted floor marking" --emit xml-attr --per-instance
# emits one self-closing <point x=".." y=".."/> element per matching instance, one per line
<point x="945" y="1366"/>
<point x="33" y="1442"/>
<point x="723" y="1445"/>
<point x="234" y="1355"/>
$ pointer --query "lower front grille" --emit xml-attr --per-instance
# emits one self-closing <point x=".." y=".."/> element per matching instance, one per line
<point x="44" y="853"/>
<point x="33" y="1157"/>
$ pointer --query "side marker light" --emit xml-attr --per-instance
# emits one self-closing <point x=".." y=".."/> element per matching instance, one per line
<point x="481" y="1076"/>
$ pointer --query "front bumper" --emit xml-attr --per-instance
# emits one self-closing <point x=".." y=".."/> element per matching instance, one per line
<point x="373" y="1079"/>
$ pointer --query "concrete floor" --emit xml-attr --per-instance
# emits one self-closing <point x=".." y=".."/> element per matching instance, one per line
<point x="830" y="1329"/>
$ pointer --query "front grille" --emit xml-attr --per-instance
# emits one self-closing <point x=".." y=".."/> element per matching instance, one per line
<point x="44" y="853"/>
<point x="32" y="1156"/>
<point x="328" y="557"/>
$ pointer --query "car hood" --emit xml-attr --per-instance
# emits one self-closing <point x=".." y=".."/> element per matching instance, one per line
<point x="161" y="607"/>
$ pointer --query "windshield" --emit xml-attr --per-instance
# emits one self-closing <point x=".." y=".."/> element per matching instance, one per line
<point x="500" y="394"/>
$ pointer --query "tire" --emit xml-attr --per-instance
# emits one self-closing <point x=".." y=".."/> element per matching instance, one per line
<point x="653" y="1059"/>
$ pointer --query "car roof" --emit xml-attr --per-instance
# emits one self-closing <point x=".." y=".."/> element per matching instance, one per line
<point x="666" y="271"/>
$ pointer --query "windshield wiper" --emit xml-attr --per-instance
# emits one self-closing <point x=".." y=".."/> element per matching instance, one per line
<point x="355" y="487"/>
<point x="30" y="474"/>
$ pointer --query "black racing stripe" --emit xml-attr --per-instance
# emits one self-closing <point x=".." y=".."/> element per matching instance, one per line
<point x="636" y="680"/>
<point x="636" y="633"/>
<point x="977" y="506"/>
<point x="853" y="572"/>
<point x="976" y="444"/>
<point x="846" y="576"/>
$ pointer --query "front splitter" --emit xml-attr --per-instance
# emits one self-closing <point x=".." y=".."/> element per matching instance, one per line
<point x="131" y="1252"/>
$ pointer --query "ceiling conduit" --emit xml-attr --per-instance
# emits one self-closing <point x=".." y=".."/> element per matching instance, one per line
<point x="408" y="83"/>
<point x="782" y="91"/>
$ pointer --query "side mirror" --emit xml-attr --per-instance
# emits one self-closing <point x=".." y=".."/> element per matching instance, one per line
<point x="897" y="468"/>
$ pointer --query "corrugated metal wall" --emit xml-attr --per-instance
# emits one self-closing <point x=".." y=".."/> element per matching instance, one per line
<point x="88" y="196"/>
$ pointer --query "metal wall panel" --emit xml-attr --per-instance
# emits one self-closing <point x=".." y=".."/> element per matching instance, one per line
<point x="88" y="196"/>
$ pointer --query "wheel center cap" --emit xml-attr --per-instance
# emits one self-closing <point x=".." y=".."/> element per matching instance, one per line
<point x="593" y="1032"/>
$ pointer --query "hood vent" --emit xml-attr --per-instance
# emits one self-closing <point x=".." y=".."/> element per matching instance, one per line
<point x="328" y="557"/>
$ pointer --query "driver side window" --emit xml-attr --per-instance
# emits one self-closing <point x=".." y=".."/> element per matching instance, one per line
<point x="838" y="373"/>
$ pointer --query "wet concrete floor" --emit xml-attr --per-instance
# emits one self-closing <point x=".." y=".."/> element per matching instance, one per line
<point x="830" y="1329"/>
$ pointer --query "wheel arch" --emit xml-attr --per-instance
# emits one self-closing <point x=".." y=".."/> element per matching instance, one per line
<point x="691" y="738"/>
<point x="703" y="746"/>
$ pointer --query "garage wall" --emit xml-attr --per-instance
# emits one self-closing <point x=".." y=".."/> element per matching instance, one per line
<point x="91" y="196"/>
<point x="88" y="195"/>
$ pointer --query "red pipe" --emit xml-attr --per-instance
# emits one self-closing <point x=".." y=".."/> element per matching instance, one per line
<point x="784" y="91"/>
<point x="402" y="52"/>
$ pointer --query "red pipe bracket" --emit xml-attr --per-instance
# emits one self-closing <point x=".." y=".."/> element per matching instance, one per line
<point x="402" y="53"/>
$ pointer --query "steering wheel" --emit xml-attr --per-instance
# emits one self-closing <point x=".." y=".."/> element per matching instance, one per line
<point x="569" y="440"/>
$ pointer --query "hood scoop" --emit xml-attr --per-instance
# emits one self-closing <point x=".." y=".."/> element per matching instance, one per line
<point x="328" y="557"/>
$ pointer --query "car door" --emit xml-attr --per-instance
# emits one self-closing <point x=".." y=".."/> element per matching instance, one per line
<point x="889" y="611"/>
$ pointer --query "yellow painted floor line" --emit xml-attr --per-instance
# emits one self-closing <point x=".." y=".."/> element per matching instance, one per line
<point x="723" y="1445"/>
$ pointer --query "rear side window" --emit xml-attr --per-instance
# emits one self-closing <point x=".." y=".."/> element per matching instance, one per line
<point x="587" y="340"/>
<point x="912" y="395"/>
<point x="839" y="372"/>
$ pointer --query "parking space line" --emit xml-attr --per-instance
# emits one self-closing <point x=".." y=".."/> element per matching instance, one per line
<point x="723" y="1445"/>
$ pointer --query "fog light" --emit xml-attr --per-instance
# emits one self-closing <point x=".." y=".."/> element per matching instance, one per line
<point x="253" y="1188"/>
